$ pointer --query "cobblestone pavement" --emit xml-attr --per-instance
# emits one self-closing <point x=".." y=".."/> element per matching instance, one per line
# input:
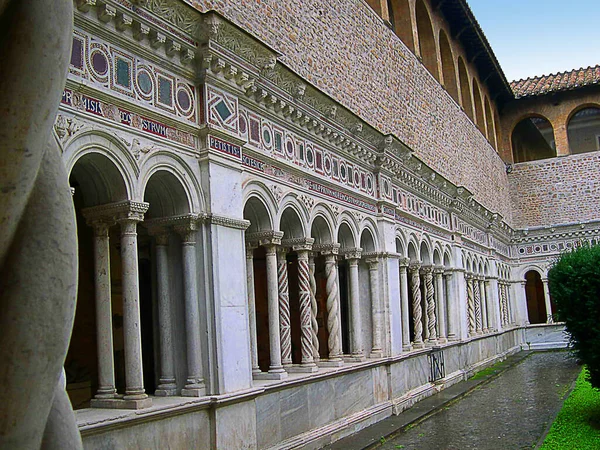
<point x="511" y="412"/>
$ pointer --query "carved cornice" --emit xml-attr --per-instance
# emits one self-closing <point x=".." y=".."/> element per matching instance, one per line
<point x="327" y="249"/>
<point x="114" y="212"/>
<point x="351" y="253"/>
<point x="265" y="237"/>
<point x="224" y="221"/>
<point x="298" y="244"/>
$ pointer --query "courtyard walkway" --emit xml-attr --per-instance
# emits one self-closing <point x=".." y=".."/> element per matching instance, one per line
<point x="511" y="411"/>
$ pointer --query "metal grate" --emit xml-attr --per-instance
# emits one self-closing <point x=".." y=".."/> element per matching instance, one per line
<point x="437" y="369"/>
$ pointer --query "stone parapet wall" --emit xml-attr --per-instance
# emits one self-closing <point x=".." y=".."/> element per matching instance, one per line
<point x="556" y="191"/>
<point x="344" y="49"/>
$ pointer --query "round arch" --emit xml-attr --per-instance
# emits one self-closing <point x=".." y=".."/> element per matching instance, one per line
<point x="257" y="212"/>
<point x="367" y="240"/>
<point x="479" y="120"/>
<point x="166" y="194"/>
<point x="345" y="236"/>
<point x="427" y="44"/>
<point x="465" y="90"/>
<point x="532" y="138"/>
<point x="290" y="222"/>
<point x="320" y="230"/>
<point x="448" y="66"/>
<point x="583" y="129"/>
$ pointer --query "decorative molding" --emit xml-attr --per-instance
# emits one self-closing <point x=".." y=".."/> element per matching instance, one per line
<point x="228" y="222"/>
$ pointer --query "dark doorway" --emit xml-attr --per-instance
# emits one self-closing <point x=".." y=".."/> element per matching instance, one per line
<point x="534" y="292"/>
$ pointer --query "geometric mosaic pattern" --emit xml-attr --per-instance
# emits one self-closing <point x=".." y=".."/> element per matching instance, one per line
<point x="109" y="68"/>
<point x="222" y="110"/>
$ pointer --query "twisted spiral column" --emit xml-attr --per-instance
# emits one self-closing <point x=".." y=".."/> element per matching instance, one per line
<point x="477" y="301"/>
<point x="313" y="307"/>
<point x="415" y="285"/>
<point x="305" y="309"/>
<point x="470" y="305"/>
<point x="285" y="330"/>
<point x="430" y="302"/>
<point x="333" y="313"/>
<point x="504" y="304"/>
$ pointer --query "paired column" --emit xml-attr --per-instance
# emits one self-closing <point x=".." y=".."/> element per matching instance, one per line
<point x="484" y="308"/>
<point x="275" y="368"/>
<point x="313" y="307"/>
<point x="431" y="321"/>
<point x="166" y="383"/>
<point x="104" y="331"/>
<point x="415" y="285"/>
<point x="332" y="304"/>
<point x="134" y="376"/>
<point x="353" y="257"/>
<point x="477" y="303"/>
<point x="194" y="386"/>
<point x="549" y="312"/>
<point x="285" y="330"/>
<point x="252" y="307"/>
<point x="470" y="305"/>
<point x="376" y="313"/>
<point x="452" y="307"/>
<point x="440" y="302"/>
<point x="306" y="313"/>
<point x="406" y="346"/>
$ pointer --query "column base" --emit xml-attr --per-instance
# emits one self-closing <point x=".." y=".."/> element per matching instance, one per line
<point x="303" y="368"/>
<point x="452" y="338"/>
<point x="165" y="392"/>
<point x="121" y="403"/>
<point x="442" y="340"/>
<point x="270" y="375"/>
<point x="376" y="354"/>
<point x="107" y="395"/>
<point x="355" y="358"/>
<point x="407" y="348"/>
<point x="193" y="391"/>
<point x="331" y="362"/>
<point x="418" y="345"/>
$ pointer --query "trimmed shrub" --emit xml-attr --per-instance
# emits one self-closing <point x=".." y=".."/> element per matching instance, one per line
<point x="574" y="283"/>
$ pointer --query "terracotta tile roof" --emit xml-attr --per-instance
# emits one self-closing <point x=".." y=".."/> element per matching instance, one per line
<point x="563" y="81"/>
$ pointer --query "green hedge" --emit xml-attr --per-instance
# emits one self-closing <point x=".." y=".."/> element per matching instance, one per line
<point x="574" y="283"/>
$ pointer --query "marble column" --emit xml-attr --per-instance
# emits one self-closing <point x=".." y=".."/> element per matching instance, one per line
<point x="333" y="312"/>
<point x="440" y="303"/>
<point x="484" y="309"/>
<point x="194" y="386"/>
<point x="166" y="383"/>
<point x="353" y="258"/>
<point x="493" y="303"/>
<point x="104" y="329"/>
<point x="477" y="303"/>
<point x="276" y="370"/>
<point x="505" y="317"/>
<point x="376" y="315"/>
<point x="285" y="330"/>
<point x="132" y="333"/>
<point x="307" y="364"/>
<point x="430" y="304"/>
<point x="470" y="304"/>
<point x="415" y="286"/>
<point x="452" y="307"/>
<point x="313" y="307"/>
<point x="549" y="318"/>
<point x="405" y="308"/>
<point x="252" y="307"/>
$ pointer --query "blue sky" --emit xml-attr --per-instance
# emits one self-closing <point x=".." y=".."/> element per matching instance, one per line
<point x="539" y="37"/>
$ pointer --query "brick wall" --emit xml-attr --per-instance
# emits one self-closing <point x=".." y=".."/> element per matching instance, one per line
<point x="344" y="49"/>
<point x="555" y="191"/>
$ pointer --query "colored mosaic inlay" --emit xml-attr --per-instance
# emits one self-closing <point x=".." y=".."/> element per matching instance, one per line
<point x="224" y="147"/>
<point x="109" y="68"/>
<point x="223" y="110"/>
<point x="165" y="91"/>
<point x="123" y="73"/>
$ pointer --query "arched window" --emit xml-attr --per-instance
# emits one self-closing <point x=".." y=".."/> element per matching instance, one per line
<point x="478" y="106"/>
<point x="401" y="22"/>
<point x="584" y="131"/>
<point x="465" y="92"/>
<point x="491" y="126"/>
<point x="426" y="40"/>
<point x="448" y="68"/>
<point x="533" y="139"/>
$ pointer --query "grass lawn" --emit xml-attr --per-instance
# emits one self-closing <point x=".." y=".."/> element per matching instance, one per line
<point x="577" y="426"/>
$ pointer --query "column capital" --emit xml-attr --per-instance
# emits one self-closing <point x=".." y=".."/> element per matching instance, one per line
<point x="114" y="212"/>
<point x="404" y="262"/>
<point x="100" y="226"/>
<point x="265" y="238"/>
<point x="414" y="266"/>
<point x="186" y="227"/>
<point x="160" y="233"/>
<point x="438" y="270"/>
<point x="299" y="244"/>
<point x="373" y="263"/>
<point x="351" y="253"/>
<point x="427" y="270"/>
<point x="327" y="249"/>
